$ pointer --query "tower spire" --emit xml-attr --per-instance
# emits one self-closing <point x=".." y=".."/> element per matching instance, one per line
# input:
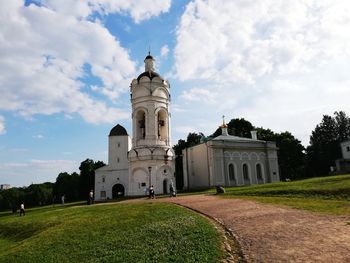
<point x="149" y="62"/>
<point x="224" y="126"/>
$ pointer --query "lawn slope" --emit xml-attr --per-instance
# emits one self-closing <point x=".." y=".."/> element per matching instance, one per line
<point x="329" y="194"/>
<point x="142" y="232"/>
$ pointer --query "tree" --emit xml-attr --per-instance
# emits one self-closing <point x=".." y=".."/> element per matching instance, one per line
<point x="342" y="126"/>
<point x="87" y="175"/>
<point x="39" y="194"/>
<point x="11" y="197"/>
<point x="325" y="141"/>
<point x="237" y="127"/>
<point x="265" y="134"/>
<point x="77" y="186"/>
<point x="193" y="139"/>
<point x="291" y="156"/>
<point x="67" y="185"/>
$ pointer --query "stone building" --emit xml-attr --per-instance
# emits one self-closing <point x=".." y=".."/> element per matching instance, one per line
<point x="5" y="186"/>
<point x="229" y="160"/>
<point x="134" y="164"/>
<point x="343" y="165"/>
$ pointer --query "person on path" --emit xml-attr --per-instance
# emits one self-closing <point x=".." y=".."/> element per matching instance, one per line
<point x="91" y="197"/>
<point x="172" y="191"/>
<point x="22" y="211"/>
<point x="62" y="199"/>
<point x="151" y="192"/>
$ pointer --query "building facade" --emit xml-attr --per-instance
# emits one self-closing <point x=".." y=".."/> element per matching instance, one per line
<point x="343" y="165"/>
<point x="5" y="187"/>
<point x="134" y="164"/>
<point x="230" y="161"/>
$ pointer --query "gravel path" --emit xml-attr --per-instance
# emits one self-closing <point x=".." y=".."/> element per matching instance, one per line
<point x="269" y="233"/>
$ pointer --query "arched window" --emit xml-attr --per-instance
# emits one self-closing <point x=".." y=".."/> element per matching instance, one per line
<point x="231" y="172"/>
<point x="246" y="173"/>
<point x="259" y="171"/>
<point x="163" y="125"/>
<point x="141" y="124"/>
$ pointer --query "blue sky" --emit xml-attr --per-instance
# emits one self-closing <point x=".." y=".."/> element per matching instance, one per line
<point x="66" y="66"/>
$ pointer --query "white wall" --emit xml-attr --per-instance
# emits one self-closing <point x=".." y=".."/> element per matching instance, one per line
<point x="139" y="175"/>
<point x="202" y="171"/>
<point x="345" y="147"/>
<point x="118" y="147"/>
<point x="111" y="177"/>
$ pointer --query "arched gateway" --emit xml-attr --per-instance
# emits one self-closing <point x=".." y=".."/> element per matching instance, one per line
<point x="118" y="190"/>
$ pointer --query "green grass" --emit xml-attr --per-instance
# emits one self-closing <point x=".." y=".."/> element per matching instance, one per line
<point x="142" y="232"/>
<point x="330" y="195"/>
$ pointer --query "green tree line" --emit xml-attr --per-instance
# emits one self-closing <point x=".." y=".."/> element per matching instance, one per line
<point x="74" y="187"/>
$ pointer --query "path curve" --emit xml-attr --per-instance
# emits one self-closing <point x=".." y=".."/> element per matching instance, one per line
<point x="269" y="233"/>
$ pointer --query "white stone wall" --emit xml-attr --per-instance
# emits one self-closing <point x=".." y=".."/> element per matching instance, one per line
<point x="197" y="173"/>
<point x="140" y="181"/>
<point x="345" y="148"/>
<point x="201" y="171"/>
<point x="117" y="170"/>
<point x="111" y="177"/>
<point x="118" y="147"/>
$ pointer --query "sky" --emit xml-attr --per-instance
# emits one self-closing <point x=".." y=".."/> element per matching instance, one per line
<point x="66" y="67"/>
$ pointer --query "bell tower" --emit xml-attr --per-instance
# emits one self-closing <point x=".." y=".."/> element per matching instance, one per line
<point x="151" y="155"/>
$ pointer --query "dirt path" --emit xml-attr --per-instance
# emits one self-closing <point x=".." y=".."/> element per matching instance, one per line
<point x="268" y="233"/>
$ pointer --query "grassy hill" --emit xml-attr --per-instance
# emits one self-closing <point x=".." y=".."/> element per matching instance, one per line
<point x="138" y="232"/>
<point x="329" y="194"/>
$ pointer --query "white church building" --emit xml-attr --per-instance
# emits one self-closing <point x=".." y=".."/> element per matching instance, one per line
<point x="145" y="159"/>
<point x="228" y="160"/>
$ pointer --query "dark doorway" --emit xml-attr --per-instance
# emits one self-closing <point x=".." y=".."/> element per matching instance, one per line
<point x="165" y="186"/>
<point x="118" y="191"/>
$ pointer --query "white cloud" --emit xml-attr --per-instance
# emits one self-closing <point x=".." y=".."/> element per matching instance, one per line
<point x="177" y="108"/>
<point x="138" y="9"/>
<point x="36" y="171"/>
<point x="280" y="65"/>
<point x="184" y="129"/>
<point x="45" y="164"/>
<point x="46" y="51"/>
<point x="164" y="51"/>
<point x="199" y="95"/>
<point x="19" y="150"/>
<point x="2" y="125"/>
<point x="242" y="41"/>
<point x="38" y="136"/>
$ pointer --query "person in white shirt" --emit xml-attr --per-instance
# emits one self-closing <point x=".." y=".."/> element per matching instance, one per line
<point x="22" y="211"/>
<point x="91" y="195"/>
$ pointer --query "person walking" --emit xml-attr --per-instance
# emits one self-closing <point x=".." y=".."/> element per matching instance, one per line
<point x="172" y="191"/>
<point x="22" y="211"/>
<point x="151" y="192"/>
<point x="91" y="197"/>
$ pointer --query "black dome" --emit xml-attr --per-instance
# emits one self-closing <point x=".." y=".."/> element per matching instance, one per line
<point x="118" y="130"/>
<point x="150" y="75"/>
<point x="149" y="56"/>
